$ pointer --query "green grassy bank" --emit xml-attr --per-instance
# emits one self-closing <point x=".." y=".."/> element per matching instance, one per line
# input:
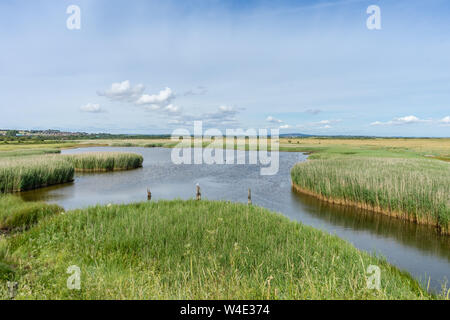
<point x="412" y="189"/>
<point x="18" y="214"/>
<point x="191" y="250"/>
<point x="32" y="172"/>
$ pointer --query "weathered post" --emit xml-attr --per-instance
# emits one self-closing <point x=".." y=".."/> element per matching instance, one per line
<point x="199" y="194"/>
<point x="149" y="194"/>
<point x="249" y="197"/>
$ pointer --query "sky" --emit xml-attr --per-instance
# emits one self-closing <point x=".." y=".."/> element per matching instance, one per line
<point x="151" y="67"/>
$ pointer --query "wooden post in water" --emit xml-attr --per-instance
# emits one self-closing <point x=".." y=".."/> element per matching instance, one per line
<point x="199" y="194"/>
<point x="149" y="194"/>
<point x="249" y="197"/>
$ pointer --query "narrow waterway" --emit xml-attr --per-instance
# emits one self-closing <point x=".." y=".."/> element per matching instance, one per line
<point x="417" y="249"/>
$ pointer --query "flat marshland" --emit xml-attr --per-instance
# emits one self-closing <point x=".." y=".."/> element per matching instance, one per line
<point x="319" y="147"/>
<point x="191" y="250"/>
<point x="220" y="250"/>
<point x="373" y="147"/>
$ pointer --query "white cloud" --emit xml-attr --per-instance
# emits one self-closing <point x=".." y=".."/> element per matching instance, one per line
<point x="400" y="121"/>
<point x="123" y="91"/>
<point x="408" y="119"/>
<point x="92" y="108"/>
<point x="273" y="120"/>
<point x="326" y="123"/>
<point x="445" y="121"/>
<point x="286" y="126"/>
<point x="163" y="98"/>
<point x="172" y="108"/>
<point x="163" y="102"/>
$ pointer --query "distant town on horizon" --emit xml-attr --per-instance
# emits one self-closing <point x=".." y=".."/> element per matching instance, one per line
<point x="53" y="133"/>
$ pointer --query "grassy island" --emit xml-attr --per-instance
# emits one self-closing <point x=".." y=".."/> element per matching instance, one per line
<point x="32" y="172"/>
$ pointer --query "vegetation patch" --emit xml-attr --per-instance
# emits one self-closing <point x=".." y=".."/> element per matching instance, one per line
<point x="27" y="173"/>
<point x="105" y="161"/>
<point x="28" y="152"/>
<point x="193" y="250"/>
<point x="446" y="158"/>
<point x="18" y="214"/>
<point x="6" y="272"/>
<point x="154" y="145"/>
<point x="33" y="172"/>
<point x="413" y="189"/>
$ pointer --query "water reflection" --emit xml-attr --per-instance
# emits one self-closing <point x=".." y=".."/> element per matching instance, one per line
<point x="424" y="238"/>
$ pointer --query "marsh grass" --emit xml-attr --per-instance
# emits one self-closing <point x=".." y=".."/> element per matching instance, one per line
<point x="32" y="172"/>
<point x="27" y="173"/>
<point x="105" y="161"/>
<point x="193" y="250"/>
<point x="18" y="214"/>
<point x="413" y="189"/>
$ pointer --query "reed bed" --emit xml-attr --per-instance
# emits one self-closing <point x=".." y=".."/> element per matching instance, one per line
<point x="412" y="189"/>
<point x="32" y="172"/>
<point x="105" y="161"/>
<point x="192" y="250"/>
<point x="18" y="214"/>
<point x="21" y="174"/>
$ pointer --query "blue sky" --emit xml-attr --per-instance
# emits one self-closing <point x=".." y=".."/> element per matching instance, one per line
<point x="153" y="66"/>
